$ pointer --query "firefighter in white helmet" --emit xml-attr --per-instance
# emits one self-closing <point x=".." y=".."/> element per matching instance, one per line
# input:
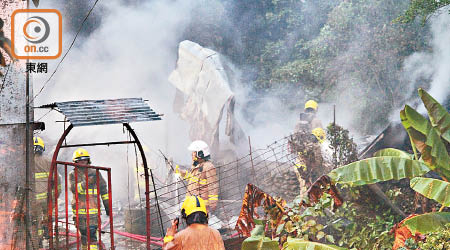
<point x="202" y="178"/>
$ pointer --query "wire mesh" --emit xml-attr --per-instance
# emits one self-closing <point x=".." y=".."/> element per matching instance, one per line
<point x="272" y="169"/>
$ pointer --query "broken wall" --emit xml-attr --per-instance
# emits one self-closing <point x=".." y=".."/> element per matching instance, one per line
<point x="12" y="143"/>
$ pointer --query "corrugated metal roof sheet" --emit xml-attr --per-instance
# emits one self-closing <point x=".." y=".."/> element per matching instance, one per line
<point x="100" y="112"/>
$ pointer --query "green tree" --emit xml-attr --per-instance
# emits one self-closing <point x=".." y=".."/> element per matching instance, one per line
<point x="423" y="9"/>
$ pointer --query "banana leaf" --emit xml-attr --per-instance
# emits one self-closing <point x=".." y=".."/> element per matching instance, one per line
<point x="298" y="244"/>
<point x="393" y="152"/>
<point x="439" y="117"/>
<point x="257" y="241"/>
<point x="427" y="140"/>
<point x="433" y="189"/>
<point x="427" y="223"/>
<point x="376" y="169"/>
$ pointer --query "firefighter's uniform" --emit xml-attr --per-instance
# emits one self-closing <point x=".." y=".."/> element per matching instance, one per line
<point x="203" y="182"/>
<point x="309" y="153"/>
<point x="83" y="187"/>
<point x="42" y="166"/>
<point x="195" y="236"/>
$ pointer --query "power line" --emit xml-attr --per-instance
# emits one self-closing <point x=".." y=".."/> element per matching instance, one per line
<point x="67" y="52"/>
<point x="45" y="115"/>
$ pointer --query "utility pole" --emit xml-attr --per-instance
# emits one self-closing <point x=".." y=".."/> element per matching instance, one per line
<point x="28" y="157"/>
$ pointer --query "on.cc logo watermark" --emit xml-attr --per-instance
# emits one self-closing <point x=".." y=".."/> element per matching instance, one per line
<point x="36" y="33"/>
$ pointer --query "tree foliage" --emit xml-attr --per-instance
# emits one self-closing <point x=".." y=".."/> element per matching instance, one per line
<point x="423" y="9"/>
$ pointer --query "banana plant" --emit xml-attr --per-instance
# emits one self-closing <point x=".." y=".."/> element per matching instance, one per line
<point x="258" y="241"/>
<point x="298" y="244"/>
<point x="439" y="117"/>
<point x="427" y="223"/>
<point x="432" y="189"/>
<point x="429" y="138"/>
<point x="394" y="164"/>
<point x="377" y="169"/>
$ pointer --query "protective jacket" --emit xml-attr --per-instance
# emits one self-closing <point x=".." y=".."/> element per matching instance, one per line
<point x="42" y="166"/>
<point x="82" y="188"/>
<point x="308" y="122"/>
<point x="203" y="182"/>
<point x="196" y="237"/>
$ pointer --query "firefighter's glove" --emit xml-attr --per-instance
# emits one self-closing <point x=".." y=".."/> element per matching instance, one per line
<point x="172" y="230"/>
<point x="106" y="205"/>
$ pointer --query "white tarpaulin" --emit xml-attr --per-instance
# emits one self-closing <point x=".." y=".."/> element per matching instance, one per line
<point x="205" y="92"/>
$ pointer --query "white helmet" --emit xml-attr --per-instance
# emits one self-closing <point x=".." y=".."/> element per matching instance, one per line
<point x="200" y="147"/>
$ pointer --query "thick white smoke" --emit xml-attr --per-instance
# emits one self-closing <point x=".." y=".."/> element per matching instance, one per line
<point x="130" y="54"/>
<point x="434" y="66"/>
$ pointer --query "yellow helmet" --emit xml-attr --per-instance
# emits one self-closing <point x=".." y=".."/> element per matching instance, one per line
<point x="311" y="104"/>
<point x="81" y="154"/>
<point x="38" y="141"/>
<point x="320" y="134"/>
<point x="39" y="145"/>
<point x="193" y="204"/>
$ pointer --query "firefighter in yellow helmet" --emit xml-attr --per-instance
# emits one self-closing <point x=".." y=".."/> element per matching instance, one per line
<point x="310" y="156"/>
<point x="198" y="235"/>
<point x="83" y="187"/>
<point x="308" y="119"/>
<point x="319" y="134"/>
<point x="202" y="177"/>
<point x="42" y="166"/>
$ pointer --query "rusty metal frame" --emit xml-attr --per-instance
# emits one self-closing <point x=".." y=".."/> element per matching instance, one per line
<point x="52" y="179"/>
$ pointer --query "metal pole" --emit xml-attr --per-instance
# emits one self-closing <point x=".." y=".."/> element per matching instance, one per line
<point x="99" y="220"/>
<point x="66" y="205"/>
<point x="77" y="207"/>
<point x="335" y="139"/>
<point x="87" y="209"/>
<point x="111" y="224"/>
<point x="50" y="184"/>
<point x="147" y="183"/>
<point x="27" y="157"/>
<point x="251" y="158"/>
<point x="56" y="207"/>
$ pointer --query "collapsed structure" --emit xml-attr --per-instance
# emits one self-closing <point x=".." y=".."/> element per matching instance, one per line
<point x="203" y="92"/>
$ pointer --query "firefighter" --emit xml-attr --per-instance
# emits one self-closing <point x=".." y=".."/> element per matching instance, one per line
<point x="309" y="153"/>
<point x="319" y="135"/>
<point x="198" y="235"/>
<point x="42" y="167"/>
<point x="202" y="178"/>
<point x="83" y="187"/>
<point x="308" y="119"/>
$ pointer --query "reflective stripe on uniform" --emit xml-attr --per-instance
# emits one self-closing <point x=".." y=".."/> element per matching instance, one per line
<point x="93" y="247"/>
<point x="83" y="211"/>
<point x="105" y="197"/>
<point x="41" y="175"/>
<point x="41" y="196"/>
<point x="213" y="197"/>
<point x="82" y="191"/>
<point x="195" y="179"/>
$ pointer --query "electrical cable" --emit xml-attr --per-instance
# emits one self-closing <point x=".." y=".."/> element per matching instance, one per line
<point x="68" y="50"/>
